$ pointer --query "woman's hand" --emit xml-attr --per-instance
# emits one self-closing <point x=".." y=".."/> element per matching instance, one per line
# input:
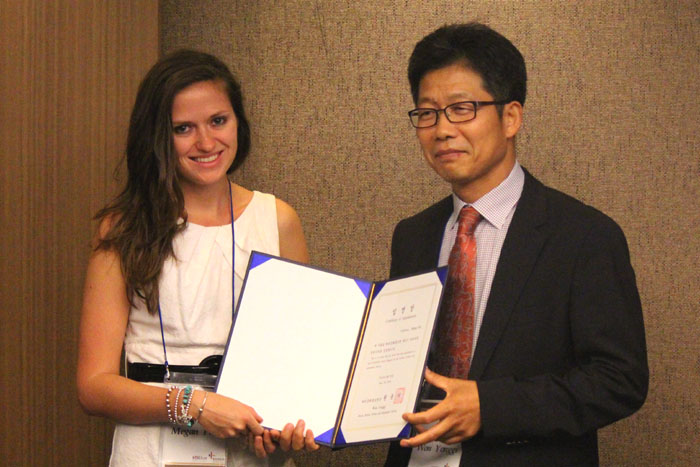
<point x="224" y="417"/>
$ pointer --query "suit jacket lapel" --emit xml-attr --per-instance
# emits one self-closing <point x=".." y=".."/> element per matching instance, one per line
<point x="518" y="255"/>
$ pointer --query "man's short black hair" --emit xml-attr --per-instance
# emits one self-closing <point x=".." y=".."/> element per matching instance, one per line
<point x="480" y="49"/>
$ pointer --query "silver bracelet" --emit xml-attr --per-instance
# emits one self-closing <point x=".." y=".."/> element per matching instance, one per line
<point x="176" y="407"/>
<point x="201" y="407"/>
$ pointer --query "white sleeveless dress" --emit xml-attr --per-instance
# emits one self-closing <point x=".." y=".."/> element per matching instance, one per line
<point x="195" y="300"/>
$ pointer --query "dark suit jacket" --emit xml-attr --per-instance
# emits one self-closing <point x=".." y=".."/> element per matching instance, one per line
<point x="561" y="350"/>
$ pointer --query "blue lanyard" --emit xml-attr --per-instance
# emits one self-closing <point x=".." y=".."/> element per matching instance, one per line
<point x="233" y="281"/>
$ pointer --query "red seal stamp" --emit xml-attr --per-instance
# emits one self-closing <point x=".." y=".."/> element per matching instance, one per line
<point x="398" y="395"/>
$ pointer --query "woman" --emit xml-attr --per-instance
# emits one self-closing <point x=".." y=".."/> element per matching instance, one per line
<point x="159" y="281"/>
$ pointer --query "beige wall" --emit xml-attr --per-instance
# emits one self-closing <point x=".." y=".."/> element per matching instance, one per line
<point x="611" y="118"/>
<point x="68" y="74"/>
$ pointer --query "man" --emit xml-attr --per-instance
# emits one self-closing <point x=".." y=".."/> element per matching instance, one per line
<point x="540" y="341"/>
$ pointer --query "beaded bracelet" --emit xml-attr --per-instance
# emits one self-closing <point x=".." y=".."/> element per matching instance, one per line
<point x="182" y="406"/>
<point x="171" y="418"/>
<point x="185" y="419"/>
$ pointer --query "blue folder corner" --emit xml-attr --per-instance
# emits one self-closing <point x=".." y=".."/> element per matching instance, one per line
<point x="364" y="286"/>
<point x="378" y="287"/>
<point x="327" y="438"/>
<point x="340" y="439"/>
<point x="256" y="259"/>
<point x="442" y="274"/>
<point x="405" y="433"/>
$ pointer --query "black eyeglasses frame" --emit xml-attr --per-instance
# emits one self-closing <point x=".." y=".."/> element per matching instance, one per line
<point x="436" y="112"/>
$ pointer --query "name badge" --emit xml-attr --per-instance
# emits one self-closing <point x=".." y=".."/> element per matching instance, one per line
<point x="183" y="446"/>
<point x="436" y="454"/>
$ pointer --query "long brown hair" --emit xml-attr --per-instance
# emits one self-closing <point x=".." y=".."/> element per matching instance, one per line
<point x="144" y="218"/>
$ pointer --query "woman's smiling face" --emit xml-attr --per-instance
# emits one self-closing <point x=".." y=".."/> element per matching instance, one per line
<point x="205" y="135"/>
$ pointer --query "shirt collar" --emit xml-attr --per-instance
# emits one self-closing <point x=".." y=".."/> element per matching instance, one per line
<point x="495" y="205"/>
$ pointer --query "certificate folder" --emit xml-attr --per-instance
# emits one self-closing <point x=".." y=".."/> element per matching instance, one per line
<point x="344" y="354"/>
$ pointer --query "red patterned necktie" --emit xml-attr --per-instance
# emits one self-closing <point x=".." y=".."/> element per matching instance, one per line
<point x="456" y="325"/>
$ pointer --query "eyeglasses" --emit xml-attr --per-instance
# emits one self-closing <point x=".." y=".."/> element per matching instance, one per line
<point x="459" y="112"/>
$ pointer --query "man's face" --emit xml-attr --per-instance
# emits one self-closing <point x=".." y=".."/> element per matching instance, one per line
<point x="474" y="156"/>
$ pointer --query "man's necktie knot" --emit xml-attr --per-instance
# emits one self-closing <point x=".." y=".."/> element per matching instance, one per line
<point x="468" y="220"/>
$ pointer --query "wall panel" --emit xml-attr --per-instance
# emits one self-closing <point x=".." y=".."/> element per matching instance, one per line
<point x="610" y="118"/>
<point x="69" y="76"/>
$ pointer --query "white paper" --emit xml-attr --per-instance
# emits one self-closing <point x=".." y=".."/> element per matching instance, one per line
<point x="390" y="365"/>
<point x="292" y="344"/>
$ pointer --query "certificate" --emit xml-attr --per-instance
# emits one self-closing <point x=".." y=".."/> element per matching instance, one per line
<point x="344" y="354"/>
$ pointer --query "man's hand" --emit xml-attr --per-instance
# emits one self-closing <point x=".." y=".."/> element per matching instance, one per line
<point x="295" y="438"/>
<point x="261" y="445"/>
<point x="291" y="437"/>
<point x="458" y="416"/>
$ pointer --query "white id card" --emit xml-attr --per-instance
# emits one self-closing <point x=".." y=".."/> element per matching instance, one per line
<point x="436" y="454"/>
<point x="184" y="447"/>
